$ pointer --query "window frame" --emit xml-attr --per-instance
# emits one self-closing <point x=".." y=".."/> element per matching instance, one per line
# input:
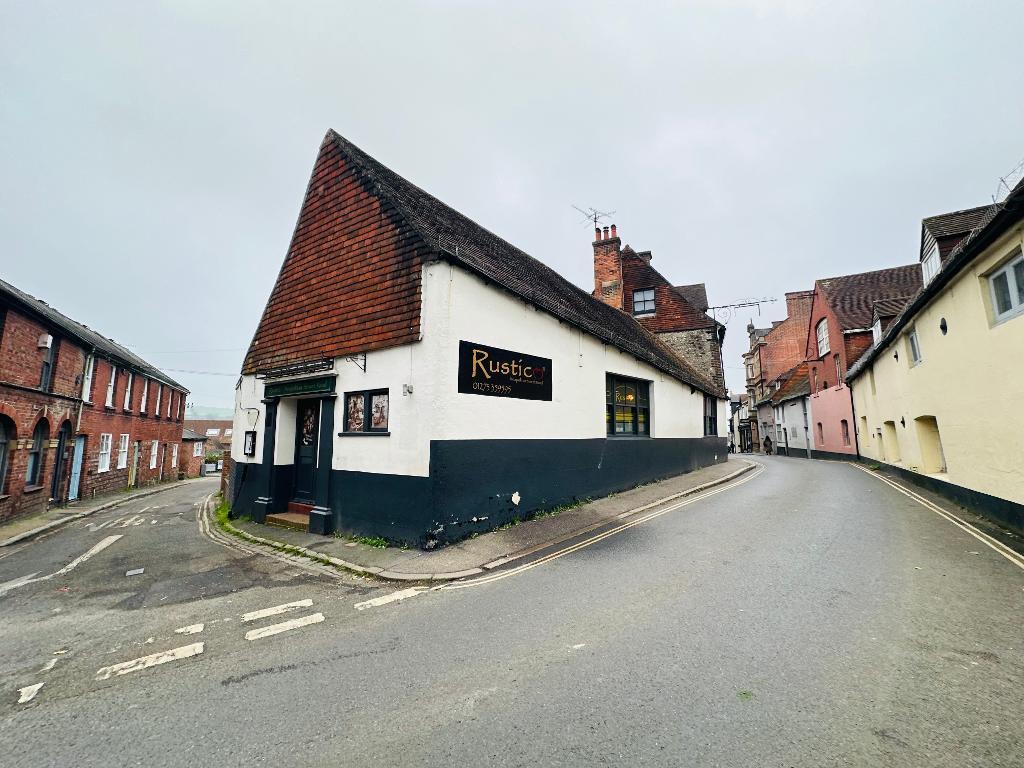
<point x="821" y="335"/>
<point x="49" y="366"/>
<point x="122" y="450"/>
<point x="367" y="396"/>
<point x="914" y="345"/>
<point x="108" y="401"/>
<point x="930" y="264"/>
<point x="154" y="452"/>
<point x="174" y="455"/>
<point x="1016" y="297"/>
<point x="156" y="404"/>
<point x="87" y="377"/>
<point x="127" y="403"/>
<point x="648" y="304"/>
<point x="710" y="415"/>
<point x="8" y="435"/>
<point x="844" y="431"/>
<point x="145" y="395"/>
<point x="876" y="331"/>
<point x="197" y="449"/>
<point x="611" y="380"/>
<point x="34" y="466"/>
<point x="839" y="369"/>
<point x="103" y="457"/>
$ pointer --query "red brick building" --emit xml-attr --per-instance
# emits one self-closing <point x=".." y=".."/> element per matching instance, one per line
<point x="80" y="415"/>
<point x="193" y="452"/>
<point x="677" y="314"/>
<point x="217" y="433"/>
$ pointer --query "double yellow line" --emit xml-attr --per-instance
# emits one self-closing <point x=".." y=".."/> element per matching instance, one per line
<point x="963" y="525"/>
<point x="746" y="478"/>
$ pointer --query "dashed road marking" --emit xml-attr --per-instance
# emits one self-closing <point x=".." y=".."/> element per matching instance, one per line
<point x="191" y="629"/>
<point x="49" y="665"/>
<point x="26" y="694"/>
<point x="277" y="609"/>
<point x="144" y="662"/>
<point x="401" y="594"/>
<point x="284" y="626"/>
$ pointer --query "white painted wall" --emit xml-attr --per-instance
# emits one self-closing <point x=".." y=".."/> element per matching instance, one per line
<point x="793" y="420"/>
<point x="457" y="305"/>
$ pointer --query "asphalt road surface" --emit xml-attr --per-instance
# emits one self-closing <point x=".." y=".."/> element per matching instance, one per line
<point x="807" y="615"/>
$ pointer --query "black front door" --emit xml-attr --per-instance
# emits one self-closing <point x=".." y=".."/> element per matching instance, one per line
<point x="307" y="429"/>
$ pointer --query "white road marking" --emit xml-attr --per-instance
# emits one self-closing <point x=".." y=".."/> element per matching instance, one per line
<point x="963" y="525"/>
<point x="191" y="629"/>
<point x="184" y="652"/>
<point x="28" y="693"/>
<point x="49" y="665"/>
<point x="135" y="572"/>
<point x="284" y="626"/>
<point x="99" y="547"/>
<point x="285" y="608"/>
<point x="578" y="646"/>
<point x="401" y="594"/>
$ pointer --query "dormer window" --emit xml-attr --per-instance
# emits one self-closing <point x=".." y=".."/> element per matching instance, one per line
<point x="643" y="302"/>
<point x="876" y="331"/>
<point x="930" y="264"/>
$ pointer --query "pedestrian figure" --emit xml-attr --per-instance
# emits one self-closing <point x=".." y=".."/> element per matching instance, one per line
<point x="732" y="447"/>
<point x="767" y="446"/>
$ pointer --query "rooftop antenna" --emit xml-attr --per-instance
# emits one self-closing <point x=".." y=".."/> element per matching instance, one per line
<point x="1008" y="182"/>
<point x="594" y="215"/>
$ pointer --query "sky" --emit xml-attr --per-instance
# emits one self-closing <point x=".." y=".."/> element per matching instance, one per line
<point x="154" y="155"/>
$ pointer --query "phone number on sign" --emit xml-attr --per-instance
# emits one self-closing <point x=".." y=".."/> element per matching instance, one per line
<point x="498" y="389"/>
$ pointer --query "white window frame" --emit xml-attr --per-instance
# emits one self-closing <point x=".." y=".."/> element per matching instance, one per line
<point x="876" y="331"/>
<point x="645" y="296"/>
<point x="930" y="264"/>
<point x="213" y="432"/>
<point x="122" y="451"/>
<point x="170" y="399"/>
<point x="90" y="364"/>
<point x="128" y="392"/>
<point x="821" y="333"/>
<point x="154" y="451"/>
<point x="1015" y="290"/>
<point x="227" y="432"/>
<point x="914" y="343"/>
<point x="197" y="448"/>
<point x="111" y="386"/>
<point x="174" y="456"/>
<point x="103" y="464"/>
<point x="145" y="395"/>
<point x="159" y="394"/>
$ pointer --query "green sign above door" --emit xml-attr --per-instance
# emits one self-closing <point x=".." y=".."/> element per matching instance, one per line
<point x="319" y="385"/>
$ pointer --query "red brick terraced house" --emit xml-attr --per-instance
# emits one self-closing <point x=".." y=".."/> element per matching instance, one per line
<point x="193" y="453"/>
<point x="80" y="415"/>
<point x="839" y="332"/>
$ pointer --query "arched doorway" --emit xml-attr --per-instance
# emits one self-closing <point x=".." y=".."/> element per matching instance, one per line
<point x="60" y="462"/>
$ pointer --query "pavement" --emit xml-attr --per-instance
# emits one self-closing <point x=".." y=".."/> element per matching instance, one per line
<point x="496" y="549"/>
<point x="22" y="528"/>
<point x="804" y="614"/>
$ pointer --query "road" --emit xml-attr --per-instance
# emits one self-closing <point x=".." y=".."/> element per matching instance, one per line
<point x="808" y="615"/>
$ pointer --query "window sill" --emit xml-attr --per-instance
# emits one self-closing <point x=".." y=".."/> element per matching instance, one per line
<point x="364" y="434"/>
<point x="32" y="489"/>
<point x="645" y="314"/>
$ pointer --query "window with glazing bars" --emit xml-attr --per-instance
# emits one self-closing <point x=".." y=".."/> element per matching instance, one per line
<point x="627" y="407"/>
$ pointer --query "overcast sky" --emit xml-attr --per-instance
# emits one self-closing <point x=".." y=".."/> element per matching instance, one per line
<point x="154" y="155"/>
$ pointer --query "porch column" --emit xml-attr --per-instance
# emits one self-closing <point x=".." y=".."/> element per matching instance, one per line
<point x="321" y="519"/>
<point x="265" y="502"/>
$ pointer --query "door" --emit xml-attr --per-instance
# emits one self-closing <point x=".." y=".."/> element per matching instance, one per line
<point x="133" y="470"/>
<point x="60" y="462"/>
<point x="307" y="428"/>
<point x="76" y="468"/>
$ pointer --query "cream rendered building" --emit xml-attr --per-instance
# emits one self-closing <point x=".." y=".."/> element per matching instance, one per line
<point x="922" y="394"/>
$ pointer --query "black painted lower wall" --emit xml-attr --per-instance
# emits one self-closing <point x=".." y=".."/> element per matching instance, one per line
<point x="473" y="484"/>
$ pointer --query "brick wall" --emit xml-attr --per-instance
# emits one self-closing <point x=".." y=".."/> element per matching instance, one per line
<point x="351" y="279"/>
<point x="786" y="343"/>
<point x="191" y="465"/>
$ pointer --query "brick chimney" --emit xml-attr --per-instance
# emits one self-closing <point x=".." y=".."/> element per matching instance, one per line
<point x="798" y="304"/>
<point x="608" y="267"/>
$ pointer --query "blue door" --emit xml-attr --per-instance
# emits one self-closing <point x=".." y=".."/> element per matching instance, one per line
<point x="76" y="468"/>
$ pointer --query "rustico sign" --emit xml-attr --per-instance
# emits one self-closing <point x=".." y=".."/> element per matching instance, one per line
<point x="497" y="372"/>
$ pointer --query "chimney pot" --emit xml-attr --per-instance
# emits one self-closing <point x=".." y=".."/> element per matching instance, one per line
<point x="613" y="231"/>
<point x="597" y="233"/>
<point x="606" y="233"/>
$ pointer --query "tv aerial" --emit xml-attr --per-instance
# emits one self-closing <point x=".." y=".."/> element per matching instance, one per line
<point x="594" y="216"/>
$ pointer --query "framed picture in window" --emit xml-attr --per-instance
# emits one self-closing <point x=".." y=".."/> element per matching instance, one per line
<point x="249" y="444"/>
<point x="367" y="411"/>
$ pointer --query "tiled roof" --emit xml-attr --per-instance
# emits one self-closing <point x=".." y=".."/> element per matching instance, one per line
<point x="84" y="335"/>
<point x="796" y="384"/>
<point x="889" y="307"/>
<point x="695" y="294"/>
<point x="955" y="222"/>
<point x="462" y="241"/>
<point x="188" y="434"/>
<point x="852" y="297"/>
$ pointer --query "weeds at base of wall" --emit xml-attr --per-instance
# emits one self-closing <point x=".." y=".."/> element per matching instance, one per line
<point x="224" y="523"/>
<point x="539" y="515"/>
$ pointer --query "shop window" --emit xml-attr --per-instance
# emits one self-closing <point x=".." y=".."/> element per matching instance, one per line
<point x="643" y="302"/>
<point x="36" y="454"/>
<point x="367" y="411"/>
<point x="1007" y="287"/>
<point x="932" y="457"/>
<point x="7" y="437"/>
<point x="821" y="331"/>
<point x="844" y="427"/>
<point x="122" y="452"/>
<point x="710" y="416"/>
<point x="627" y="407"/>
<point x="104" y="458"/>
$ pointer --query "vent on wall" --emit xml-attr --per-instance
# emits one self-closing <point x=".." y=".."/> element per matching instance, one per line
<point x="45" y="341"/>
